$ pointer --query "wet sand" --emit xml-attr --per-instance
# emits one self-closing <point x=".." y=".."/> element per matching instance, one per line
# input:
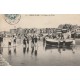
<point x="21" y="56"/>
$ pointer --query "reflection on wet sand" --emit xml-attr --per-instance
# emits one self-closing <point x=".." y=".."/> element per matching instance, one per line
<point x="61" y="48"/>
<point x="32" y="50"/>
<point x="27" y="49"/>
<point x="24" y="50"/>
<point x="40" y="54"/>
<point x="9" y="51"/>
<point x="35" y="52"/>
<point x="37" y="55"/>
<point x="15" y="50"/>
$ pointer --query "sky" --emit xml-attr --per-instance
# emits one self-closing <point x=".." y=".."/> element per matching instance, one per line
<point x="48" y="21"/>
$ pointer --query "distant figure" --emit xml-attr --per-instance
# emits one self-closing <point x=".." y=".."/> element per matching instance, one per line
<point x="62" y="36"/>
<point x="44" y="39"/>
<point x="9" y="43"/>
<point x="15" y="41"/>
<point x="74" y="35"/>
<point x="39" y="37"/>
<point x="35" y="41"/>
<point x="24" y="42"/>
<point x="32" y="41"/>
<point x="28" y="41"/>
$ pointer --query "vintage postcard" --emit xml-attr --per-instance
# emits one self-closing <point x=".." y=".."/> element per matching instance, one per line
<point x="39" y="39"/>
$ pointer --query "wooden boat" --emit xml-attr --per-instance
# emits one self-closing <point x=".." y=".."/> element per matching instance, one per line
<point x="51" y="42"/>
<point x="58" y="43"/>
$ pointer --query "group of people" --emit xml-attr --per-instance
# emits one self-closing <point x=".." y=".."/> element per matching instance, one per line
<point x="12" y="40"/>
<point x="26" y="41"/>
<point x="62" y="36"/>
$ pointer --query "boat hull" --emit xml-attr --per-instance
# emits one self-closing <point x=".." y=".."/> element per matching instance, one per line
<point x="58" y="43"/>
<point x="48" y="43"/>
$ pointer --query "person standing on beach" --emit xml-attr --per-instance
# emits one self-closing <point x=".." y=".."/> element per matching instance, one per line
<point x="28" y="41"/>
<point x="74" y="34"/>
<point x="35" y="40"/>
<point x="24" y="42"/>
<point x="9" y="43"/>
<point x="9" y="46"/>
<point x="32" y="41"/>
<point x="14" y="40"/>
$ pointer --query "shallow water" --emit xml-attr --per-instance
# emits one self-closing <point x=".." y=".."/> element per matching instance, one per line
<point x="41" y="56"/>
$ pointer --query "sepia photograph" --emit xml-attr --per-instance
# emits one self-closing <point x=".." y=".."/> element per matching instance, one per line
<point x="39" y="39"/>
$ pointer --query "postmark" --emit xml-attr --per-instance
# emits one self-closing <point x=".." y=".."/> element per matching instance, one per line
<point x="12" y="19"/>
